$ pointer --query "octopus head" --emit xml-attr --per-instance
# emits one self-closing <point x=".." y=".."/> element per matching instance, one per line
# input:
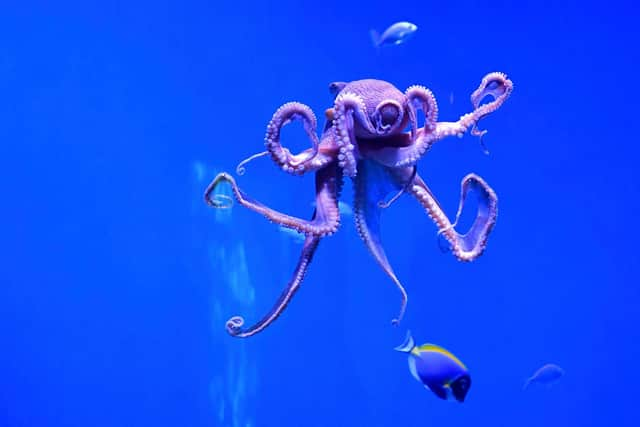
<point x="385" y="108"/>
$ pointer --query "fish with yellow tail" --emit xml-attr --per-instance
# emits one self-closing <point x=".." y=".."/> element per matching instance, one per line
<point x="437" y="369"/>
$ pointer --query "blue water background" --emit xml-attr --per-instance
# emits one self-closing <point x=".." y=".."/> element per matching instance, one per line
<point x="117" y="279"/>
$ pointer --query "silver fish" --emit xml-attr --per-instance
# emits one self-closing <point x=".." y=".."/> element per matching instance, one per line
<point x="548" y="375"/>
<point x="396" y="34"/>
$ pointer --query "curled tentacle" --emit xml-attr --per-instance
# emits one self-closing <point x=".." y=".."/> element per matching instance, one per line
<point x="218" y="201"/>
<point x="347" y="106"/>
<point x="326" y="218"/>
<point x="494" y="84"/>
<point x="468" y="246"/>
<point x="325" y="222"/>
<point x="384" y="205"/>
<point x="421" y="98"/>
<point x="240" y="169"/>
<point x="299" y="163"/>
<point x="234" y="324"/>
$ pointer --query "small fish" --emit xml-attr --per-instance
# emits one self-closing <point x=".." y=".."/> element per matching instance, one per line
<point x="396" y="34"/>
<point x="437" y="369"/>
<point x="548" y="375"/>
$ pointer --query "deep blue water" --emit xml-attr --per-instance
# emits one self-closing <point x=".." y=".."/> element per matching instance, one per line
<point x="117" y="279"/>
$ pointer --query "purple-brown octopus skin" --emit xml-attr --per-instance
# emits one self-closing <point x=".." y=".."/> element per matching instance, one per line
<point x="364" y="138"/>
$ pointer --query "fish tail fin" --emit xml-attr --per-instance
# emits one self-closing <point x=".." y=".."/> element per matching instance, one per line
<point x="375" y="38"/>
<point x="407" y="345"/>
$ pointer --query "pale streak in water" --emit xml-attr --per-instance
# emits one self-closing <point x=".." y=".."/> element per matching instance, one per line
<point x="234" y="384"/>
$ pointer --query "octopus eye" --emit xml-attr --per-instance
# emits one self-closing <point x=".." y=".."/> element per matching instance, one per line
<point x="336" y="87"/>
<point x="387" y="114"/>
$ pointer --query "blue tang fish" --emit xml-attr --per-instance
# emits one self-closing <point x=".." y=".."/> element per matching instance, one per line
<point x="548" y="375"/>
<point x="398" y="33"/>
<point x="437" y="369"/>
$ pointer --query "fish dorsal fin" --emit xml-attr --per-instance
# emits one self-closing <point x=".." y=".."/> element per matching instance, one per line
<point x="437" y="349"/>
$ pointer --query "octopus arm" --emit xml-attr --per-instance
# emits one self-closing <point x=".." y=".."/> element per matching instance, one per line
<point x="282" y="156"/>
<point x="470" y="245"/>
<point x="325" y="220"/>
<point x="372" y="184"/>
<point x="318" y="156"/>
<point x="235" y="324"/>
<point x="324" y="223"/>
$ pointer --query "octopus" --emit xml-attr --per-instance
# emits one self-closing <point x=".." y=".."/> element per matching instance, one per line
<point x="372" y="135"/>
